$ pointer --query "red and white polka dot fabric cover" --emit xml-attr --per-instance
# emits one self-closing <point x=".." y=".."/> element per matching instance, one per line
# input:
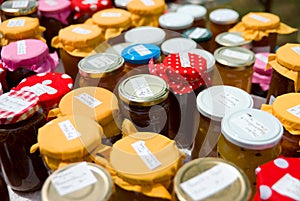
<point x="181" y="79"/>
<point x="278" y="180"/>
<point x="50" y="87"/>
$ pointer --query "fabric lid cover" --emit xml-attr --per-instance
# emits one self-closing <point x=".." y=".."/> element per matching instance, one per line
<point x="112" y="17"/>
<point x="57" y="9"/>
<point x="146" y="7"/>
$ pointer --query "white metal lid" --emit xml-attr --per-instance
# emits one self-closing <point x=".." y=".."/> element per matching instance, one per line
<point x="175" y="45"/>
<point x="216" y="101"/>
<point x="224" y="16"/>
<point x="209" y="57"/>
<point x="175" y="20"/>
<point x="145" y="34"/>
<point x="252" y="129"/>
<point x="197" y="11"/>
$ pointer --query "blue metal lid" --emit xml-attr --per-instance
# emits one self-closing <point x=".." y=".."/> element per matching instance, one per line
<point x="140" y="53"/>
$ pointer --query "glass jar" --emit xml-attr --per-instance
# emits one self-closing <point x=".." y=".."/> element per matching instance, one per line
<point x="200" y="35"/>
<point x="20" y="120"/>
<point x="3" y="190"/>
<point x="84" y="180"/>
<point x="235" y="66"/>
<point x="177" y="44"/>
<point x="176" y="21"/>
<point x="285" y="69"/>
<point x="144" y="101"/>
<point x="211" y="179"/>
<point x="249" y="138"/>
<point x="117" y="48"/>
<point x="197" y="11"/>
<point x="11" y="9"/>
<point x="213" y="103"/>
<point x="232" y="39"/>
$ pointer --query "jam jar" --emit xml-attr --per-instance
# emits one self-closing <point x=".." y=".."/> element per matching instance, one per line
<point x="249" y="138"/>
<point x="154" y="161"/>
<point x="144" y="101"/>
<point x="54" y="15"/>
<point x="197" y="11"/>
<point x="76" y="42"/>
<point x="211" y="179"/>
<point x="21" y="117"/>
<point x="3" y="190"/>
<point x="285" y="69"/>
<point x="103" y="70"/>
<point x="24" y="58"/>
<point x="202" y="36"/>
<point x="176" y="45"/>
<point x="176" y="21"/>
<point x="79" y="181"/>
<point x="235" y="66"/>
<point x="11" y="9"/>
<point x="232" y="39"/>
<point x="213" y="103"/>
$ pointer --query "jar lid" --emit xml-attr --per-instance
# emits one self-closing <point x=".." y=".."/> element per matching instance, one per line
<point x="117" y="48"/>
<point x="231" y="39"/>
<point x="82" y="6"/>
<point x="19" y="8"/>
<point x="197" y="11"/>
<point x="261" y="20"/>
<point x="100" y="65"/>
<point x="146" y="7"/>
<point x="209" y="57"/>
<point x="143" y="90"/>
<point x="17" y="106"/>
<point x="145" y="34"/>
<point x="234" y="57"/>
<point x="49" y="87"/>
<point x="112" y="17"/>
<point x="216" y="101"/>
<point x="175" y="20"/>
<point x="261" y="62"/>
<point x="84" y="180"/>
<point x="140" y="53"/>
<point x="212" y="179"/>
<point x="175" y="45"/>
<point x="53" y="5"/>
<point x="288" y="56"/>
<point x="252" y="129"/>
<point x="223" y="16"/>
<point x="198" y="34"/>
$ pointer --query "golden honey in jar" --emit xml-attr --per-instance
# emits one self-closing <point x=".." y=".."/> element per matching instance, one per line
<point x="285" y="69"/>
<point x="176" y="21"/>
<point x="197" y="11"/>
<point x="11" y="9"/>
<point x="249" y="138"/>
<point x="79" y="181"/>
<point x="144" y="101"/>
<point x="235" y="66"/>
<point x="232" y="39"/>
<point x="211" y="179"/>
<point x="213" y="103"/>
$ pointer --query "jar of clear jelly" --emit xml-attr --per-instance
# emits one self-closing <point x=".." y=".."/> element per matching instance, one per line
<point x="176" y="21"/>
<point x="144" y="101"/>
<point x="197" y="11"/>
<point x="249" y="138"/>
<point x="21" y="117"/>
<point x="11" y="9"/>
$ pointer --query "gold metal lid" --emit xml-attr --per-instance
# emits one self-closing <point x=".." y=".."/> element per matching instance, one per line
<point x="231" y="39"/>
<point x="202" y="172"/>
<point x="19" y="8"/>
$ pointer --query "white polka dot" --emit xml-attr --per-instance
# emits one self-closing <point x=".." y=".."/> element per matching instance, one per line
<point x="281" y="163"/>
<point x="191" y="87"/>
<point x="104" y="3"/>
<point x="65" y="76"/>
<point x="93" y="7"/>
<point x="70" y="86"/>
<point x="24" y="80"/>
<point x="47" y="82"/>
<point x="185" y="71"/>
<point x="41" y="74"/>
<point x="177" y="71"/>
<point x="77" y="8"/>
<point x="193" y="71"/>
<point x="51" y="92"/>
<point x="257" y="170"/>
<point x="160" y="74"/>
<point x="265" y="192"/>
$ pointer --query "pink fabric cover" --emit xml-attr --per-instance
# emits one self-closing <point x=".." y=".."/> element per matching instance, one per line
<point x="260" y="75"/>
<point x="57" y="9"/>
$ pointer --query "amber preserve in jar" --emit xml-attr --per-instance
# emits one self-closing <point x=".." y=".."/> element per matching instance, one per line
<point x="144" y="100"/>
<point x="211" y="179"/>
<point x="249" y="138"/>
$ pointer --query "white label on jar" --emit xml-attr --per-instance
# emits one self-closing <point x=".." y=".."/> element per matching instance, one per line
<point x="40" y="89"/>
<point x="226" y="99"/>
<point x="295" y="111"/>
<point x="259" y="18"/>
<point x="19" y="4"/>
<point x="146" y="155"/>
<point x="236" y="54"/>
<point x="209" y="182"/>
<point x="100" y="62"/>
<point x="197" y="33"/>
<point x="51" y="2"/>
<point x="21" y="47"/>
<point x="108" y="14"/>
<point x="233" y="38"/>
<point x="16" y="23"/>
<point x="263" y="58"/>
<point x="142" y="50"/>
<point x="296" y="49"/>
<point x="72" y="179"/>
<point x="69" y="130"/>
<point x="88" y="100"/>
<point x="141" y="87"/>
<point x="81" y="31"/>
<point x="288" y="186"/>
<point x="13" y="104"/>
<point x="184" y="59"/>
<point x="148" y="2"/>
<point x="251" y="125"/>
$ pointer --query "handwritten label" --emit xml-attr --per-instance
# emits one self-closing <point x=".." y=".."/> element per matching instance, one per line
<point x="226" y="99"/>
<point x="40" y="89"/>
<point x="146" y="155"/>
<point x="259" y="18"/>
<point x="108" y="14"/>
<point x="69" y="130"/>
<point x="81" y="31"/>
<point x="141" y="87"/>
<point x="184" y="59"/>
<point x="19" y="4"/>
<point x="15" y="23"/>
<point x="288" y="186"/>
<point x="51" y="3"/>
<point x="88" y="100"/>
<point x="21" y="47"/>
<point x="209" y="182"/>
<point x="197" y="33"/>
<point x="73" y="179"/>
<point x="295" y="111"/>
<point x="148" y="2"/>
<point x="142" y="50"/>
<point x="13" y="104"/>
<point x="100" y="62"/>
<point x="236" y="54"/>
<point x="233" y="38"/>
<point x="296" y="49"/>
